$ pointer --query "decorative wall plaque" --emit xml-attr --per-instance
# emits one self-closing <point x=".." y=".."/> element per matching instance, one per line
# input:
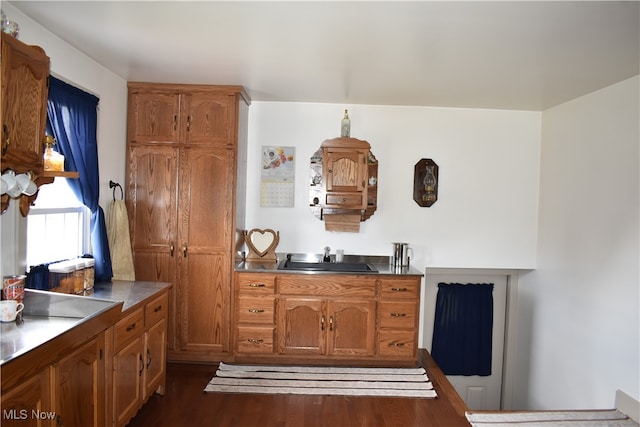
<point x="425" y="183"/>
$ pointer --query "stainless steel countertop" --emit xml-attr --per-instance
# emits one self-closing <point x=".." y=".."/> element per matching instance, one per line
<point x="48" y="315"/>
<point x="381" y="263"/>
<point x="130" y="293"/>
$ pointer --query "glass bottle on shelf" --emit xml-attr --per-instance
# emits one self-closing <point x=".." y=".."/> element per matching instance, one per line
<point x="345" y="129"/>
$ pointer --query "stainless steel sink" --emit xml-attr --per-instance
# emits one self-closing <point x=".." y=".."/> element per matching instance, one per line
<point x="342" y="267"/>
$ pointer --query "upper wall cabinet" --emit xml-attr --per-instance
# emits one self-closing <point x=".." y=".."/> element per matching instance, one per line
<point x="25" y="89"/>
<point x="344" y="182"/>
<point x="25" y="78"/>
<point x="168" y="116"/>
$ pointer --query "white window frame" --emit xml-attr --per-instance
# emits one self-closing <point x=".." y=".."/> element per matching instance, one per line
<point x="84" y="230"/>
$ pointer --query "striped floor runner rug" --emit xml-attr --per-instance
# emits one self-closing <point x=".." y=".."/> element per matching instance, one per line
<point x="389" y="382"/>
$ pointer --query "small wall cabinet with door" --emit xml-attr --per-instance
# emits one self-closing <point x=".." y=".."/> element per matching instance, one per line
<point x="25" y="88"/>
<point x="186" y="145"/>
<point x="344" y="183"/>
<point x="139" y="363"/>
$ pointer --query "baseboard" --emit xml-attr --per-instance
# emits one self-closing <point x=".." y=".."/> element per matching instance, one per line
<point x="628" y="405"/>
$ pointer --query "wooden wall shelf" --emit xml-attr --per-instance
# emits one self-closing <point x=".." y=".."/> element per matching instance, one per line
<point x="61" y="174"/>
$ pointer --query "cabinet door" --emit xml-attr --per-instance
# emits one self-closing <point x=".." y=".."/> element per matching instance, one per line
<point x="352" y="327"/>
<point x="205" y="247"/>
<point x="154" y="116"/>
<point x="345" y="169"/>
<point x="32" y="396"/>
<point x="209" y="119"/>
<point x="78" y="386"/>
<point x="25" y="72"/>
<point x="302" y="326"/>
<point x="155" y="355"/>
<point x="153" y="206"/>
<point x="127" y="379"/>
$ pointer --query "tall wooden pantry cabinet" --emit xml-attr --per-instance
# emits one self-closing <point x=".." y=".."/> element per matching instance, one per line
<point x="185" y="197"/>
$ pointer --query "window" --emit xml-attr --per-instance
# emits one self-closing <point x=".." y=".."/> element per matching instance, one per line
<point x="57" y="225"/>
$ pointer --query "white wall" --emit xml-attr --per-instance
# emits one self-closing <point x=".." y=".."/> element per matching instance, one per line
<point x="578" y="328"/>
<point x="486" y="213"/>
<point x="70" y="65"/>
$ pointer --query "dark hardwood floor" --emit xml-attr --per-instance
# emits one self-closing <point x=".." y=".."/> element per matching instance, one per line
<point x="185" y="404"/>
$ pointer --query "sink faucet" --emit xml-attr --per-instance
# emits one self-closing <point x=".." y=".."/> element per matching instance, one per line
<point x="327" y="256"/>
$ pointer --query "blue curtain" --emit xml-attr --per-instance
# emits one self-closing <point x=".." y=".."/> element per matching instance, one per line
<point x="73" y="121"/>
<point x="463" y="327"/>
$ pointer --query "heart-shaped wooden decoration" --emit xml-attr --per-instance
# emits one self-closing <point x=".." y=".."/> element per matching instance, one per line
<point x="262" y="244"/>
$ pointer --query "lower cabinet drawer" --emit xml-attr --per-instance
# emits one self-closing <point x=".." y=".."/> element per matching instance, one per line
<point x="254" y="340"/>
<point x="397" y="344"/>
<point x="398" y="314"/>
<point x="129" y="327"/>
<point x="255" y="310"/>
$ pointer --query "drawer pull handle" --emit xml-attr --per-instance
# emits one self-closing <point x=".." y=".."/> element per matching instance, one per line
<point x="141" y="366"/>
<point x="257" y="285"/>
<point x="256" y="310"/>
<point x="399" y="289"/>
<point x="157" y="309"/>
<point x="396" y="344"/>
<point x="148" y="359"/>
<point x="322" y="323"/>
<point x="398" y="314"/>
<point x="131" y="327"/>
<point x="331" y="323"/>
<point x="255" y="341"/>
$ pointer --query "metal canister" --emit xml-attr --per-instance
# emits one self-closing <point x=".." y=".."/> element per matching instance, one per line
<point x="13" y="287"/>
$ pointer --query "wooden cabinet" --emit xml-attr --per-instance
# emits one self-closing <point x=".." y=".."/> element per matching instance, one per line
<point x="332" y="315"/>
<point x="19" y="404"/>
<point x="326" y="317"/>
<point x="25" y="84"/>
<point x="343" y="183"/>
<point x="185" y="169"/>
<point x="139" y="363"/>
<point x="326" y="327"/>
<point x="345" y="173"/>
<point x="78" y="386"/>
<point x="25" y="88"/>
<point x="254" y="314"/>
<point x="398" y="317"/>
<point x="69" y="392"/>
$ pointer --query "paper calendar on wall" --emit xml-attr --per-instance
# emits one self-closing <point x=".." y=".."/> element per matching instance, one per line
<point x="277" y="177"/>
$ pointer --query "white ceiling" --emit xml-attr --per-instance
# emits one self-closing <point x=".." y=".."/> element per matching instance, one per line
<point x="506" y="55"/>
